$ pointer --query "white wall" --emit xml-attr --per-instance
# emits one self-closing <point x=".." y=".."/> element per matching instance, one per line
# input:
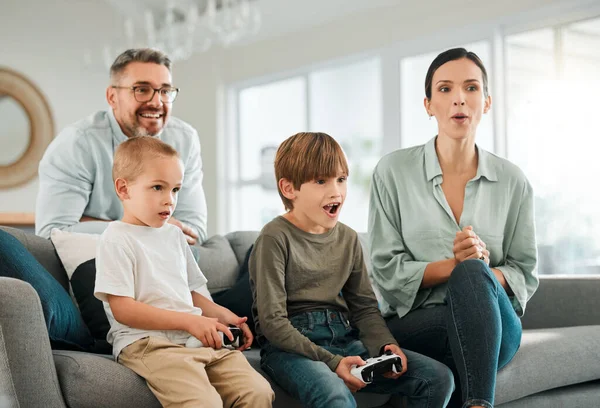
<point x="45" y="42"/>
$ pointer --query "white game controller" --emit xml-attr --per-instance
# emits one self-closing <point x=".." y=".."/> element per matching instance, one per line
<point x="193" y="342"/>
<point x="377" y="366"/>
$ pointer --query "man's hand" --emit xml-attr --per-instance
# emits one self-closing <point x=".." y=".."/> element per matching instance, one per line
<point x="397" y="351"/>
<point x="467" y="245"/>
<point x="206" y="329"/>
<point x="190" y="234"/>
<point x="343" y="371"/>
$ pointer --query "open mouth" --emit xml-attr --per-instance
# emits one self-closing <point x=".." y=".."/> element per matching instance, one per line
<point x="165" y="214"/>
<point x="460" y="116"/>
<point x="332" y="209"/>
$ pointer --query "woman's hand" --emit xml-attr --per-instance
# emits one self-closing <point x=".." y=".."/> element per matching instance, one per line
<point x="467" y="245"/>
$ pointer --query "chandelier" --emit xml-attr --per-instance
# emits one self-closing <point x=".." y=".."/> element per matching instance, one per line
<point x="180" y="28"/>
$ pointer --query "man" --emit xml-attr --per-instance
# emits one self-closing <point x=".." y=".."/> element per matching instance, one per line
<point x="76" y="191"/>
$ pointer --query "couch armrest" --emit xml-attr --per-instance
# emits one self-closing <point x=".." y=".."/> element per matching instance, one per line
<point x="563" y="301"/>
<point x="27" y="352"/>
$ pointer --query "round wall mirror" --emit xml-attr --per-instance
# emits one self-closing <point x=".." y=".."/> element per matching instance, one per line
<point x="26" y="128"/>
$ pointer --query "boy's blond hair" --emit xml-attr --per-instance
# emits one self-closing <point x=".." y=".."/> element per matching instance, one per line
<point x="308" y="156"/>
<point x="131" y="155"/>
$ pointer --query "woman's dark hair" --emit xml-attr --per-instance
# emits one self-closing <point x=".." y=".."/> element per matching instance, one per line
<point x="452" y="55"/>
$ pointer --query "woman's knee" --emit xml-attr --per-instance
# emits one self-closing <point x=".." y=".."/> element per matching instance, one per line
<point x="471" y="272"/>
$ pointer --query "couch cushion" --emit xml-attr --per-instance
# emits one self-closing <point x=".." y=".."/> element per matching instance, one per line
<point x="8" y="393"/>
<point x="579" y="395"/>
<point x="240" y="241"/>
<point x="564" y="301"/>
<point x="218" y="263"/>
<point x="550" y="358"/>
<point x="91" y="380"/>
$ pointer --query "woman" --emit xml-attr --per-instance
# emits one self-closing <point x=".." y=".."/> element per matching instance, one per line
<point x="452" y="236"/>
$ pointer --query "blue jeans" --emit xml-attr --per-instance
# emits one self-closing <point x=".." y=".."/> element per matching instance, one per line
<point x="427" y="383"/>
<point x="475" y="333"/>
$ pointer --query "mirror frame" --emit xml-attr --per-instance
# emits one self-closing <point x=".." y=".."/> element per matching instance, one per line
<point x="41" y="125"/>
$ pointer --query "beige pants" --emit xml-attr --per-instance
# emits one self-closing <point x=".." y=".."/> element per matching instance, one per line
<point x="197" y="377"/>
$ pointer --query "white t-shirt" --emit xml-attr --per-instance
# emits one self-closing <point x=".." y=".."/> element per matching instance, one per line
<point x="154" y="266"/>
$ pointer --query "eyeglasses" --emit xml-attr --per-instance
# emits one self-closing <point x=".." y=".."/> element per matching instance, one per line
<point x="145" y="93"/>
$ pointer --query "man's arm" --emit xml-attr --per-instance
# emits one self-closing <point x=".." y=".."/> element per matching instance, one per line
<point x="65" y="184"/>
<point x="191" y="206"/>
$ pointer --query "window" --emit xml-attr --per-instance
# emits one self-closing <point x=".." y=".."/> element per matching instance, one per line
<point x="552" y="134"/>
<point x="543" y="118"/>
<point x="267" y="115"/>
<point x="344" y="101"/>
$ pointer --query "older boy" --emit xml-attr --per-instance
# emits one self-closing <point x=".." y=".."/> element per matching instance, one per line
<point x="315" y="312"/>
<point x="147" y="278"/>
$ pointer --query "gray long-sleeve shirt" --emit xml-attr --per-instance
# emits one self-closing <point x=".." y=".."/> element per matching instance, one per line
<point x="293" y="271"/>
<point x="75" y="176"/>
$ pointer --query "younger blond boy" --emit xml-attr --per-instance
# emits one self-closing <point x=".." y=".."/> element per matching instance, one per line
<point x="150" y="285"/>
<point x="315" y="311"/>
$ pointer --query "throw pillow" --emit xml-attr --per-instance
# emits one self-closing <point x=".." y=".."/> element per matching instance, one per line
<point x="238" y="298"/>
<point x="91" y="308"/>
<point x="66" y="328"/>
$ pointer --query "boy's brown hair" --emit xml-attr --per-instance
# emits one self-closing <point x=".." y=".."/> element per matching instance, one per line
<point x="308" y="156"/>
<point x="131" y="155"/>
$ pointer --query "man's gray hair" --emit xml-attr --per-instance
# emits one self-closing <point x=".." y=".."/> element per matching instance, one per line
<point x="139" y="55"/>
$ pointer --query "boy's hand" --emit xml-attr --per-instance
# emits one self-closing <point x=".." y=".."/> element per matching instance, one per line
<point x="206" y="329"/>
<point x="343" y="371"/>
<point x="396" y="350"/>
<point x="248" y="337"/>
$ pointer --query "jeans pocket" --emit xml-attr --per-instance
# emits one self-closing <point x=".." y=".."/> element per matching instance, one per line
<point x="301" y="323"/>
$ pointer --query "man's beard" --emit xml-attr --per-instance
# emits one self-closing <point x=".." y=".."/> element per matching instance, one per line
<point x="142" y="131"/>
<point x="139" y="130"/>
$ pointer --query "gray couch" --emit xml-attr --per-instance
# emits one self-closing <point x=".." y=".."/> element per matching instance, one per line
<point x="556" y="366"/>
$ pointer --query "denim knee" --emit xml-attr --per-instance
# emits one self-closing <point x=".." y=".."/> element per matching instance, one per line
<point x="443" y="384"/>
<point x="472" y="270"/>
<point x="331" y="394"/>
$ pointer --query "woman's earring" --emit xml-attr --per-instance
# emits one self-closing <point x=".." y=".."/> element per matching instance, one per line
<point x="430" y="117"/>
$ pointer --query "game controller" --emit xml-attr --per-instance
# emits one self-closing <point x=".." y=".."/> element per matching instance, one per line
<point x="377" y="366"/>
<point x="238" y="338"/>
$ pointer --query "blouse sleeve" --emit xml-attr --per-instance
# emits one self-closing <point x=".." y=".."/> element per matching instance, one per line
<point x="520" y="260"/>
<point x="395" y="272"/>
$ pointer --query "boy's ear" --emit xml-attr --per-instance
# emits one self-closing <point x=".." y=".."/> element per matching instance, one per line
<point x="121" y="189"/>
<point x="287" y="188"/>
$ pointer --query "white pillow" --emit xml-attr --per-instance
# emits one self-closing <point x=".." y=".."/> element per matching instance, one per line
<point x="75" y="248"/>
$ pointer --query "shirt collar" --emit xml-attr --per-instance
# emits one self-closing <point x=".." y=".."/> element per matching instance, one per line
<point x="118" y="134"/>
<point x="485" y="166"/>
